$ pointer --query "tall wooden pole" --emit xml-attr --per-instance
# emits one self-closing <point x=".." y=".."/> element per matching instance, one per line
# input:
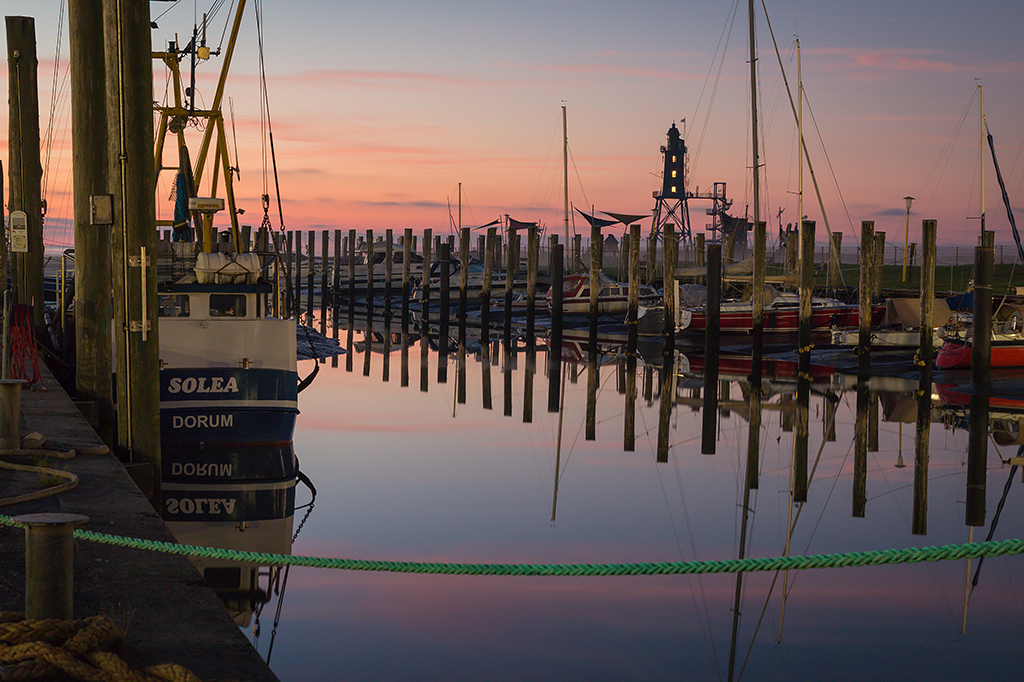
<point x="24" y="167"/>
<point x="92" y="242"/>
<point x="129" y="77"/>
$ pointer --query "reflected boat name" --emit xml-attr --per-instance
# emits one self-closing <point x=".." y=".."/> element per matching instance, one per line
<point x="205" y="469"/>
<point x="200" y="505"/>
<point x="203" y="385"/>
<point x="203" y="421"/>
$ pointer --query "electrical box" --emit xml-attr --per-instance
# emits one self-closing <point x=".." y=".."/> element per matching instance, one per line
<point x="101" y="209"/>
<point x="19" y="232"/>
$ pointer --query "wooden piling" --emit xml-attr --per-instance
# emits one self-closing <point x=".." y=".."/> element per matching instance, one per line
<point x="709" y="415"/>
<point x="325" y="238"/>
<point x="866" y="293"/>
<point x="94" y="362"/>
<point x="981" y="378"/>
<point x="879" y="261"/>
<point x="425" y="316"/>
<point x="629" y="418"/>
<point x="485" y="291"/>
<point x="444" y="307"/>
<point x="298" y="275"/>
<point x="370" y="256"/>
<point x="129" y="87"/>
<point x="555" y="347"/>
<point x="407" y="276"/>
<point x="25" y="169"/>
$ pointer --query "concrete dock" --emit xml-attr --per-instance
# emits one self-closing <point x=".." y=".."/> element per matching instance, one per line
<point x="159" y="602"/>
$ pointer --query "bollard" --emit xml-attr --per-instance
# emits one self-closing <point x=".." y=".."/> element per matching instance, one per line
<point x="49" y="564"/>
<point x="10" y="413"/>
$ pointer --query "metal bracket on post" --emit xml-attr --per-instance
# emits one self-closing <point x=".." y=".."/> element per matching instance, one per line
<point x="141" y="261"/>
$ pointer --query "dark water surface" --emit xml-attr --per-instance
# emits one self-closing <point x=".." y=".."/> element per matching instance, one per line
<point x="405" y="474"/>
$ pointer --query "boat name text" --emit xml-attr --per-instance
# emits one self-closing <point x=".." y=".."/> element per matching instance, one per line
<point x="203" y="385"/>
<point x="205" y="469"/>
<point x="200" y="505"/>
<point x="202" y="421"/>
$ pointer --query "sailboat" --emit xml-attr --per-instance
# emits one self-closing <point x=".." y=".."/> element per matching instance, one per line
<point x="1007" y="327"/>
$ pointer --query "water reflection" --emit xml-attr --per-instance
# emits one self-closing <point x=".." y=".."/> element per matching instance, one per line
<point x="236" y="498"/>
<point x="803" y="463"/>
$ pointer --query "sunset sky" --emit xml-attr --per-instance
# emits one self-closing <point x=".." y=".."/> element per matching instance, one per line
<point x="380" y="110"/>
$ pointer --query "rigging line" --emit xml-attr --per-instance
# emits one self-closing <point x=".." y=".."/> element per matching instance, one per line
<point x="828" y="161"/>
<point x="727" y="30"/>
<point x="803" y="146"/>
<point x="53" y="99"/>
<point x="159" y="16"/>
<point x="947" y="149"/>
<point x="266" y="102"/>
<point x="218" y="5"/>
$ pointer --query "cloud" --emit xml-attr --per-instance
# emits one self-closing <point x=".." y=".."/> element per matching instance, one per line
<point x="918" y="61"/>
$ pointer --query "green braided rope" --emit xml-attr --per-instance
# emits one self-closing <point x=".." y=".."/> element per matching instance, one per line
<point x="871" y="558"/>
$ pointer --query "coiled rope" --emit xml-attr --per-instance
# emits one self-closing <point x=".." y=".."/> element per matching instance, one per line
<point x="75" y="649"/>
<point x="911" y="555"/>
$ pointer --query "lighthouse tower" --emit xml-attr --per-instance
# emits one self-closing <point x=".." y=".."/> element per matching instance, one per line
<point x="672" y="200"/>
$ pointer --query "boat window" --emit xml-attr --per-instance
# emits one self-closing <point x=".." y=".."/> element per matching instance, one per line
<point x="173" y="305"/>
<point x="227" y="305"/>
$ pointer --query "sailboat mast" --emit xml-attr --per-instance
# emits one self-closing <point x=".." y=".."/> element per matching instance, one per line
<point x="981" y="157"/>
<point x="800" y="135"/>
<point x="753" y="116"/>
<point x="565" y="176"/>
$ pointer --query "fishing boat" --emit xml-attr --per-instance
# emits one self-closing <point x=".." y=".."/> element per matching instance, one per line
<point x="228" y="375"/>
<point x="612" y="296"/>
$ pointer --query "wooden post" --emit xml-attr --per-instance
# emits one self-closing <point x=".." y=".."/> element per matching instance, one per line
<point x="929" y="230"/>
<point x="879" y="261"/>
<point x="406" y="276"/>
<point x="336" y="297"/>
<point x="595" y="283"/>
<point x="25" y="170"/>
<point x="804" y="344"/>
<point x="532" y="257"/>
<point x="485" y="292"/>
<point x="298" y="275"/>
<point x="463" y="289"/>
<point x="981" y="378"/>
<point x="629" y="421"/>
<point x="865" y="291"/>
<point x="370" y="274"/>
<point x="425" y="326"/>
<point x="325" y="238"/>
<point x="835" y="259"/>
<point x="714" y="300"/>
<point x="94" y="364"/>
<point x="555" y="347"/>
<point x="129" y="86"/>
<point x="444" y="307"/>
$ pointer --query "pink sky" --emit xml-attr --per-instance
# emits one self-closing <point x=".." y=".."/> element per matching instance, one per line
<point x="380" y="112"/>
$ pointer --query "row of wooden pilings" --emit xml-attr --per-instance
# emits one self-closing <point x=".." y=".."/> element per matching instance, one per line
<point x="868" y="287"/>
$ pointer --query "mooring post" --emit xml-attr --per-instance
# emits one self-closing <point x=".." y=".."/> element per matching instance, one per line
<point x="981" y="378"/>
<point x="866" y="292"/>
<point x="49" y="564"/>
<point x="10" y="413"/>
<point x="714" y="302"/>
<point x="555" y="348"/>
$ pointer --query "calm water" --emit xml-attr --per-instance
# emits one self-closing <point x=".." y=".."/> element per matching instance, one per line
<point x="403" y="473"/>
